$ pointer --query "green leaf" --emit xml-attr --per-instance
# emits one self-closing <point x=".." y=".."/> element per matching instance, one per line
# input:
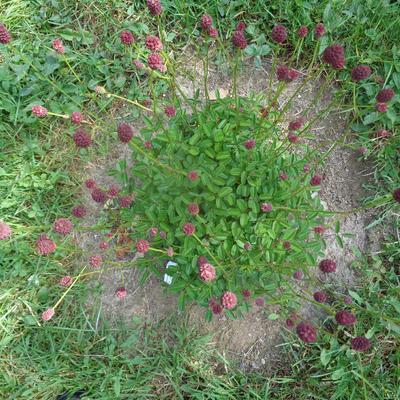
<point x="338" y="374"/>
<point x="325" y="357"/>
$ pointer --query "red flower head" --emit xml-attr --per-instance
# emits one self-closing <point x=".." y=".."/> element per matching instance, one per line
<point x="302" y="32"/>
<point x="266" y="207"/>
<point x="156" y="62"/>
<point x="334" y="56"/>
<point x="99" y="195"/>
<point x="296" y="124"/>
<point x="396" y="195"/>
<point x="125" y="201"/>
<point x="229" y="300"/>
<point x="5" y="230"/>
<point x="320" y="297"/>
<point x="127" y="38"/>
<point x="382" y="133"/>
<point x="5" y="36"/>
<point x="360" y="343"/>
<point x="57" y="45"/>
<point x="290" y="323"/>
<point x="246" y="294"/>
<point x="142" y="246"/>
<point x="212" y="32"/>
<point x="138" y="64"/>
<point x="113" y="191"/>
<point x="247" y="246"/>
<point x="45" y="246"/>
<point x="293" y="138"/>
<point x="153" y="231"/>
<point x="306" y="168"/>
<point x="170" y="111"/>
<point x="82" y="138"/>
<point x="298" y="275"/>
<point x="249" y="144"/>
<point x="96" y="260"/>
<point x="189" y="229"/>
<point x="202" y="260"/>
<point x="193" y="208"/>
<point x="62" y="226"/>
<point x="104" y="246"/>
<point x="147" y="103"/>
<point x="287" y="245"/>
<point x="241" y="26"/>
<point x="306" y="332"/>
<point x="65" y="281"/>
<point x="153" y="43"/>
<point x="327" y="266"/>
<point x="316" y="180"/>
<point x="216" y="309"/>
<point x="79" y="211"/>
<point x="239" y="40"/>
<point x="154" y="7"/>
<point x="319" y="30"/>
<point x="125" y="132"/>
<point x="48" y="314"/>
<point x="120" y="292"/>
<point x="385" y="95"/>
<point x="170" y="252"/>
<point x="39" y="111"/>
<point x="286" y="74"/>
<point x="206" y="22"/>
<point x="360" y="72"/>
<point x="207" y="272"/>
<point x="345" y="318"/>
<point x="76" y="117"/>
<point x="259" y="301"/>
<point x="148" y="144"/>
<point x="319" y="229"/>
<point x="90" y="183"/>
<point x="163" y="234"/>
<point x="347" y="300"/>
<point x="283" y="176"/>
<point x="193" y="175"/>
<point x="279" y="33"/>
<point x="381" y="107"/>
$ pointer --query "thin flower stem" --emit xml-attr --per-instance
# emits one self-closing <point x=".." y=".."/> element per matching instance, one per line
<point x="205" y="66"/>
<point x="129" y="101"/>
<point x="72" y="70"/>
<point x="69" y="288"/>
<point x="207" y="250"/>
<point x="235" y="73"/>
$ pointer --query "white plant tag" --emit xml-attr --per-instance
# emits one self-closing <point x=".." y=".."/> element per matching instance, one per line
<point x="168" y="278"/>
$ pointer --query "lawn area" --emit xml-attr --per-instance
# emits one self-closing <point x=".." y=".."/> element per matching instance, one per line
<point x="255" y="144"/>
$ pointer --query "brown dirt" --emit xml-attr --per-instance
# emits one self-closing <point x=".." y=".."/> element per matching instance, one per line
<point x="251" y="341"/>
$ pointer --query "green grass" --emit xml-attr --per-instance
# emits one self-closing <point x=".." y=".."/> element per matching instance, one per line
<point x="38" y="179"/>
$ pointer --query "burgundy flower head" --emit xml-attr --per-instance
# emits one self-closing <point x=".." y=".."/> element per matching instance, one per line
<point x="347" y="300"/>
<point x="170" y="252"/>
<point x="345" y="318"/>
<point x="57" y="45"/>
<point x="306" y="168"/>
<point x="96" y="260"/>
<point x="334" y="56"/>
<point x="283" y="176"/>
<point x="241" y="26"/>
<point x="249" y="144"/>
<point x="396" y="195"/>
<point x="287" y="245"/>
<point x="90" y="183"/>
<point x="193" y="208"/>
<point x="360" y="72"/>
<point x="246" y="294"/>
<point x="79" y="211"/>
<point x="266" y="207"/>
<point x="385" y="95"/>
<point x="113" y="191"/>
<point x="125" y="201"/>
<point x="104" y="245"/>
<point x="138" y="64"/>
<point x="360" y="343"/>
<point x="290" y="323"/>
<point x="154" y="7"/>
<point x="153" y="43"/>
<point x="319" y="229"/>
<point x="296" y="124"/>
<point x="65" y="281"/>
<point x="76" y="117"/>
<point x="286" y="74"/>
<point x="302" y="32"/>
<point x="142" y="246"/>
<point x="48" y="314"/>
<point x="5" y="230"/>
<point x="216" y="309"/>
<point x="189" y="229"/>
<point x="170" y="111"/>
<point x="125" y="132"/>
<point x="293" y="138"/>
<point x="328" y="266"/>
<point x="212" y="32"/>
<point x="316" y="180"/>
<point x="207" y="272"/>
<point x="202" y="260"/>
<point x="259" y="301"/>
<point x="206" y="22"/>
<point x="239" y="40"/>
<point x="382" y="133"/>
<point x="247" y="246"/>
<point x="319" y="30"/>
<point x="99" y="195"/>
<point x="148" y="144"/>
<point x="381" y="107"/>
<point x="120" y="292"/>
<point x="82" y="138"/>
<point x="229" y="300"/>
<point x="5" y="36"/>
<point x="193" y="175"/>
<point x="298" y="275"/>
<point x="39" y="111"/>
<point x="279" y="33"/>
<point x="45" y="246"/>
<point x="306" y="332"/>
<point x="320" y="297"/>
<point x="156" y="62"/>
<point x="62" y="226"/>
<point x="127" y="38"/>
